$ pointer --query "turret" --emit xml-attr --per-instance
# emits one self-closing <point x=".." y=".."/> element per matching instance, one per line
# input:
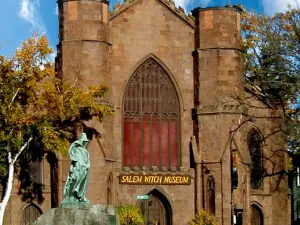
<point x="82" y="61"/>
<point x="83" y="42"/>
<point x="218" y="55"/>
<point x="218" y="82"/>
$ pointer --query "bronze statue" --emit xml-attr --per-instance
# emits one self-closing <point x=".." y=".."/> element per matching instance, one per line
<point x="76" y="184"/>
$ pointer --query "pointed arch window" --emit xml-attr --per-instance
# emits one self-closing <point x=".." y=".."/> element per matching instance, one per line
<point x="255" y="149"/>
<point x="109" y="190"/>
<point x="151" y="119"/>
<point x="257" y="217"/>
<point x="30" y="214"/>
<point x="211" y="195"/>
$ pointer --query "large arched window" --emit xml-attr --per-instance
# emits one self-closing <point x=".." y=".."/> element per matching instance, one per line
<point x="211" y="205"/>
<point x="255" y="149"/>
<point x="151" y="119"/>
<point x="30" y="214"/>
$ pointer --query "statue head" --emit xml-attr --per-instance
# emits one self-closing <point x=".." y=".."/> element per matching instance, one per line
<point x="83" y="139"/>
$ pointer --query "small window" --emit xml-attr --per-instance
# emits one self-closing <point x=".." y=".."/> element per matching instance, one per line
<point x="298" y="176"/>
<point x="211" y="195"/>
<point x="109" y="190"/>
<point x="257" y="217"/>
<point x="30" y="214"/>
<point x="298" y="210"/>
<point x="36" y="170"/>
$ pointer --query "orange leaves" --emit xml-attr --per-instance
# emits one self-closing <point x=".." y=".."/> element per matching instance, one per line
<point x="204" y="218"/>
<point x="32" y="57"/>
<point x="34" y="102"/>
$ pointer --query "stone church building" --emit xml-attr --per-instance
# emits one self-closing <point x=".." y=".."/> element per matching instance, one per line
<point x="186" y="131"/>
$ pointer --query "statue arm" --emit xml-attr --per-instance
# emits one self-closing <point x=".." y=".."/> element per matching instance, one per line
<point x="74" y="152"/>
<point x="77" y="156"/>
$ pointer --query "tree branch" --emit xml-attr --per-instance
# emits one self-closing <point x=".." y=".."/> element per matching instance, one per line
<point x="13" y="98"/>
<point x="20" y="151"/>
<point x="71" y="86"/>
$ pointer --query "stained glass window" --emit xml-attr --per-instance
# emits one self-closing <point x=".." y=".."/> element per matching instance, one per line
<point x="151" y="119"/>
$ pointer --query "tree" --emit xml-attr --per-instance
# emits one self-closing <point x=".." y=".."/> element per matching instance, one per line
<point x="36" y="109"/>
<point x="272" y="64"/>
<point x="204" y="218"/>
<point x="130" y="215"/>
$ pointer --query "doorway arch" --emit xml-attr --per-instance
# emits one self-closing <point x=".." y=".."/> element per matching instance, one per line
<point x="157" y="209"/>
<point x="257" y="217"/>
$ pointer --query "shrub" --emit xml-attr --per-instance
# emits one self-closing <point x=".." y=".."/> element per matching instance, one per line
<point x="204" y="218"/>
<point x="130" y="215"/>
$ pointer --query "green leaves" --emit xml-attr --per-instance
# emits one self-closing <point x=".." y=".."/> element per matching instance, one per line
<point x="270" y="53"/>
<point x="272" y="62"/>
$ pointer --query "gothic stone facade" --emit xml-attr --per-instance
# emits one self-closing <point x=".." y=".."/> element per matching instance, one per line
<point x="181" y="112"/>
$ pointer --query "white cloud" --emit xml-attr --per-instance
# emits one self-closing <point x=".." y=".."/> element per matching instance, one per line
<point x="56" y="10"/>
<point x="29" y="11"/>
<point x="185" y="3"/>
<point x="273" y="6"/>
<point x="182" y="3"/>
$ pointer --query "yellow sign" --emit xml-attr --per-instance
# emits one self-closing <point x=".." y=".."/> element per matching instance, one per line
<point x="155" y="179"/>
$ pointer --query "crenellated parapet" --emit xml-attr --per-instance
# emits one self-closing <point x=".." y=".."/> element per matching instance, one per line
<point x="178" y="11"/>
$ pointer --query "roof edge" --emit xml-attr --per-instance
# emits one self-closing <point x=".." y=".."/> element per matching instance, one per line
<point x="236" y="8"/>
<point x="178" y="11"/>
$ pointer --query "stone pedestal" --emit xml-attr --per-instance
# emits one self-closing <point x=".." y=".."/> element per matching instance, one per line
<point x="79" y="215"/>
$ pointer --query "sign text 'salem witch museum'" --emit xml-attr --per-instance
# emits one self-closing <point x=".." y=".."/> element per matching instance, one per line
<point x="174" y="81"/>
<point x="155" y="179"/>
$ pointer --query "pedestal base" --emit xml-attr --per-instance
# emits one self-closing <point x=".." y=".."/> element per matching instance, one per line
<point x="79" y="215"/>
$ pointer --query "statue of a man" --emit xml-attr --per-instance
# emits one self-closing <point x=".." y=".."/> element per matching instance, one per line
<point x="76" y="184"/>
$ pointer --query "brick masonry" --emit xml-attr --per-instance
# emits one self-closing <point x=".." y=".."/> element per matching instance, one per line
<point x="203" y="57"/>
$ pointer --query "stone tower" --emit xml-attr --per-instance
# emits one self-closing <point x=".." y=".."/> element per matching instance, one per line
<point x="83" y="41"/>
<point x="225" y="116"/>
<point x="82" y="60"/>
<point x="218" y="85"/>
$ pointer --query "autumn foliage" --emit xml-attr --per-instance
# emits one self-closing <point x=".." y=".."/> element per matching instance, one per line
<point x="204" y="218"/>
<point x="37" y="111"/>
<point x="130" y="215"/>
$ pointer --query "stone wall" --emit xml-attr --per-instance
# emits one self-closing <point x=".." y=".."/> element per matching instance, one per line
<point x="203" y="57"/>
<point x="138" y="34"/>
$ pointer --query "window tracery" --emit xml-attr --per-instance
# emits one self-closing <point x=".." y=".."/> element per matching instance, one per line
<point x="151" y="119"/>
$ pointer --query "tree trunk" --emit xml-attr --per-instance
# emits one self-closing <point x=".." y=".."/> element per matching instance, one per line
<point x="11" y="168"/>
<point x="8" y="190"/>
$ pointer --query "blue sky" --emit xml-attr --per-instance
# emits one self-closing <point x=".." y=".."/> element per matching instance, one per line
<point x="20" y="18"/>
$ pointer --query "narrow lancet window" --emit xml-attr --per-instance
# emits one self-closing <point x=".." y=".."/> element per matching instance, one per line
<point x="255" y="149"/>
